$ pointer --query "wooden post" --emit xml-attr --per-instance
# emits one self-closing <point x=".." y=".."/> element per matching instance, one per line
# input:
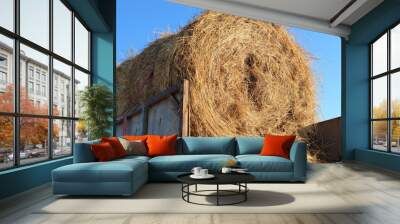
<point x="185" y="109"/>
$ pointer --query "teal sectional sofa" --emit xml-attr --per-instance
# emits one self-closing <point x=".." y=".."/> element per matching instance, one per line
<point x="125" y="176"/>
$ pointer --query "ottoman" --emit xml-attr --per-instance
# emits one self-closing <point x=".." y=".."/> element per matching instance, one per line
<point x="119" y="177"/>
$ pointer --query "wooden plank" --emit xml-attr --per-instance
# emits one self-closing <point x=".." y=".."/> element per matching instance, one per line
<point x="135" y="126"/>
<point x="185" y="109"/>
<point x="164" y="118"/>
<point x="161" y="96"/>
<point x="149" y="102"/>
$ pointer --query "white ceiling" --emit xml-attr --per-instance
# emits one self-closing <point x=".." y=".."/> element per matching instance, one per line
<point x="321" y="9"/>
<point x="327" y="16"/>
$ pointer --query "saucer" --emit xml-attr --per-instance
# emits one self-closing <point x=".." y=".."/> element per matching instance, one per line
<point x="208" y="176"/>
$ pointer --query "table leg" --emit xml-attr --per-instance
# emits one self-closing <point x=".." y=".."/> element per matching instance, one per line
<point x="245" y="193"/>
<point x="195" y="188"/>
<point x="188" y="190"/>
<point x="217" y="194"/>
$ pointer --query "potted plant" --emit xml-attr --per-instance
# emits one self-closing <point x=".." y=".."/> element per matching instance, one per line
<point x="96" y="102"/>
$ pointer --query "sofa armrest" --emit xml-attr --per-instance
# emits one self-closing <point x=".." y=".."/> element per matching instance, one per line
<point x="83" y="152"/>
<point x="298" y="155"/>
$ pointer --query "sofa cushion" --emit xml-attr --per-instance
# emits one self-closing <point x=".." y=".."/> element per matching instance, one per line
<point x="257" y="163"/>
<point x="116" y="145"/>
<point x="112" y="171"/>
<point x="249" y="145"/>
<point x="208" y="145"/>
<point x="134" y="147"/>
<point x="103" y="152"/>
<point x="277" y="145"/>
<point x="161" y="145"/>
<point x="185" y="163"/>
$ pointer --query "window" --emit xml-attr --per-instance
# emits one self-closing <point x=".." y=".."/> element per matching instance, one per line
<point x="30" y="88"/>
<point x="44" y="91"/>
<point x="62" y="137"/>
<point x="81" y="82"/>
<point x="30" y="72"/>
<point x="81" y="45"/>
<point x="62" y="74"/>
<point x="395" y="47"/>
<point x="47" y="77"/>
<point x="33" y="149"/>
<point x="62" y="29"/>
<point x="385" y="92"/>
<point x="3" y="72"/>
<point x="6" y="142"/>
<point x="37" y="89"/>
<point x="3" y="61"/>
<point x="37" y="74"/>
<point x="35" y="21"/>
<point x="6" y="73"/>
<point x="3" y="78"/>
<point x="7" y="14"/>
<point x="55" y="100"/>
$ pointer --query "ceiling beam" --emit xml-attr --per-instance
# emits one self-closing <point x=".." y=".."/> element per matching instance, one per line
<point x="346" y="12"/>
<point x="269" y="15"/>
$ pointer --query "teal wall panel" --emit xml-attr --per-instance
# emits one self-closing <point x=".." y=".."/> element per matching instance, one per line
<point x="356" y="99"/>
<point x="381" y="159"/>
<point x="102" y="59"/>
<point x="103" y="63"/>
<point x="24" y="178"/>
<point x="355" y="76"/>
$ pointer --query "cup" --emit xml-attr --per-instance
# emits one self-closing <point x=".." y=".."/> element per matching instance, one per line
<point x="226" y="170"/>
<point x="196" y="171"/>
<point x="203" y="172"/>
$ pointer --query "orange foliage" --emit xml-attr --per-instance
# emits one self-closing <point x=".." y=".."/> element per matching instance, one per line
<point x="33" y="130"/>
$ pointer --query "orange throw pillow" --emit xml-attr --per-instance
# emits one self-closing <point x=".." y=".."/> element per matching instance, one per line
<point x="135" y="137"/>
<point x="161" y="145"/>
<point x="103" y="152"/>
<point x="116" y="145"/>
<point x="277" y="145"/>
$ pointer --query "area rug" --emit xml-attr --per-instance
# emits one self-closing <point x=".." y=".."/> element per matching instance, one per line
<point x="166" y="198"/>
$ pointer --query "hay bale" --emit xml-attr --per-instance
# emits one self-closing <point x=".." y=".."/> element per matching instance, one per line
<point x="247" y="77"/>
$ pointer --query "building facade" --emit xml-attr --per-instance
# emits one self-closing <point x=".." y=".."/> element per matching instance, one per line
<point x="34" y="81"/>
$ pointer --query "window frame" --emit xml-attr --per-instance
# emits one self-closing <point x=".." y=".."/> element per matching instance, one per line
<point x="388" y="74"/>
<point x="16" y="114"/>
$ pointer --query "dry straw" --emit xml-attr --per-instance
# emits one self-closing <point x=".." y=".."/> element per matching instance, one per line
<point x="247" y="77"/>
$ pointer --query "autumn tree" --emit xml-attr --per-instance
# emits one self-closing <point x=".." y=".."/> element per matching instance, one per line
<point x="33" y="131"/>
<point x="6" y="122"/>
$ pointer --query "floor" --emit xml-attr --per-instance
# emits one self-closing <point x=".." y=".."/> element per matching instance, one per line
<point x="378" y="188"/>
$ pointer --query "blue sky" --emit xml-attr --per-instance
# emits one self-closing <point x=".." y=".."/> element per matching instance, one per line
<point x="139" y="21"/>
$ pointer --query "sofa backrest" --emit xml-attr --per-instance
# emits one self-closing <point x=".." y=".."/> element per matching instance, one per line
<point x="191" y="145"/>
<point x="249" y="145"/>
<point x="208" y="145"/>
<point x="83" y="152"/>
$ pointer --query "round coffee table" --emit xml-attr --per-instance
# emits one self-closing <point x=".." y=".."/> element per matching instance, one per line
<point x="238" y="179"/>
